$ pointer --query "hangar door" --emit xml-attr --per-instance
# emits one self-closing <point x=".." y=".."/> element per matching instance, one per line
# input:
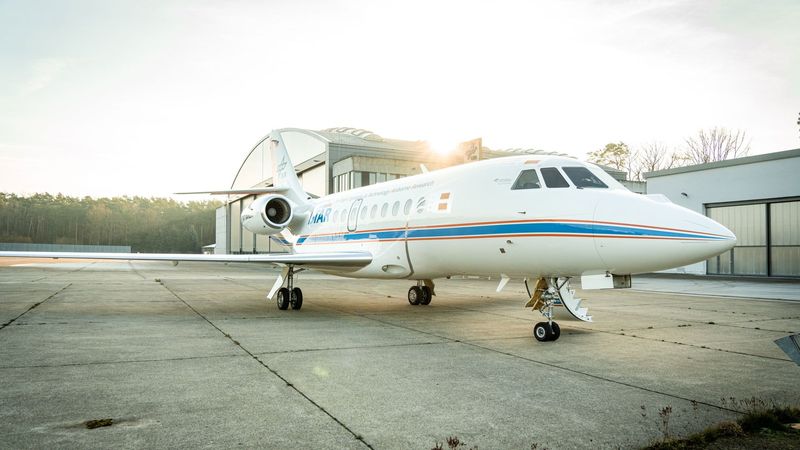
<point x="768" y="239"/>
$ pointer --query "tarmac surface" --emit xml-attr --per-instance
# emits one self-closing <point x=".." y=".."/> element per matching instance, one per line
<point x="193" y="356"/>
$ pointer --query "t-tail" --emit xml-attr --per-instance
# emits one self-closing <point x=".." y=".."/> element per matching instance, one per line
<point x="283" y="174"/>
<point x="285" y="208"/>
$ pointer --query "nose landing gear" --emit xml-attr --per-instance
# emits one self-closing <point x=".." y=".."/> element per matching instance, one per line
<point x="543" y="298"/>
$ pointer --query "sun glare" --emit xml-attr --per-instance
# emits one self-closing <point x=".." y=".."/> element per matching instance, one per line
<point x="443" y="146"/>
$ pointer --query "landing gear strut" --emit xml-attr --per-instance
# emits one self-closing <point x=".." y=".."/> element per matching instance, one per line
<point x="421" y="294"/>
<point x="289" y="295"/>
<point x="544" y="297"/>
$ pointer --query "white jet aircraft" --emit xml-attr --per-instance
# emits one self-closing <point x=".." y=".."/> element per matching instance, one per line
<point x="542" y="218"/>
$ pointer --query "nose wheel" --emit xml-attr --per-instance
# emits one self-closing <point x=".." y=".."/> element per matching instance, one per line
<point x="546" y="331"/>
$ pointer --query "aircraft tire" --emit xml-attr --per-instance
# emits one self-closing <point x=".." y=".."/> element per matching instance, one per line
<point x="427" y="295"/>
<point x="414" y="295"/>
<point x="555" y="332"/>
<point x="283" y="298"/>
<point x="296" y="298"/>
<point x="541" y="332"/>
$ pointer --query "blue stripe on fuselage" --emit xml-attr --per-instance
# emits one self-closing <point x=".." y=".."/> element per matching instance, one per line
<point x="525" y="228"/>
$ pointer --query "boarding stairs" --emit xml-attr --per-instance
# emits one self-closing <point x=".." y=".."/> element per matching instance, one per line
<point x="558" y="292"/>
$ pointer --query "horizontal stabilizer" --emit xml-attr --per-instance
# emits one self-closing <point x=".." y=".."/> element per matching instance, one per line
<point x="326" y="259"/>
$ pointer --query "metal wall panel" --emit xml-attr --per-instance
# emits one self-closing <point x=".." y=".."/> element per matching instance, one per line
<point x="248" y="237"/>
<point x="236" y="227"/>
<point x="785" y="238"/>
<point x="749" y="224"/>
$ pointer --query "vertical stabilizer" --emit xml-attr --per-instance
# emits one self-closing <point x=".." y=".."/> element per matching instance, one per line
<point x="283" y="174"/>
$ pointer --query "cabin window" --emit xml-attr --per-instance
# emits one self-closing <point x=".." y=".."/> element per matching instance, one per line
<point x="374" y="212"/>
<point x="396" y="208"/>
<point x="421" y="205"/>
<point x="582" y="178"/>
<point x="384" y="209"/>
<point x="553" y="178"/>
<point x="336" y="216"/>
<point x="407" y="207"/>
<point x="527" y="179"/>
<point x="364" y="212"/>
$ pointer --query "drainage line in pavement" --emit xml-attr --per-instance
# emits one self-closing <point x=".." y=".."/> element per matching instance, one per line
<point x="555" y="366"/>
<point x="274" y="372"/>
<point x="34" y="306"/>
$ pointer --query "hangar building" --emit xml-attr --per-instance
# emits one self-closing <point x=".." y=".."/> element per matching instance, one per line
<point x="334" y="160"/>
<point x="756" y="197"/>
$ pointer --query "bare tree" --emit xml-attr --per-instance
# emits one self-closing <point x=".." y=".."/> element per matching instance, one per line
<point x="716" y="144"/>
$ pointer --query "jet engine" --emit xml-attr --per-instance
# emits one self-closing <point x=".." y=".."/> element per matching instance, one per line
<point x="268" y="215"/>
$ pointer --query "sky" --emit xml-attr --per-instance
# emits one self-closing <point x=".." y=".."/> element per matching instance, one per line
<point x="149" y="98"/>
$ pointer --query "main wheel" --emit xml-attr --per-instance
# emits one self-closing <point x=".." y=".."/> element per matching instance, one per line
<point x="555" y="331"/>
<point x="541" y="332"/>
<point x="297" y="298"/>
<point x="414" y="295"/>
<point x="283" y="298"/>
<point x="427" y="295"/>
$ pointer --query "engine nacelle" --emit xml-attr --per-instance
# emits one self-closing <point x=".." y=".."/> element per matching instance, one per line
<point x="268" y="215"/>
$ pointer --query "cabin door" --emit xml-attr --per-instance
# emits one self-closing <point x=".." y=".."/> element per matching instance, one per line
<point x="352" y="217"/>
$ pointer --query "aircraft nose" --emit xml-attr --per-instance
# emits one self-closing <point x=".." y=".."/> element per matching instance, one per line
<point x="718" y="239"/>
<point x="651" y="234"/>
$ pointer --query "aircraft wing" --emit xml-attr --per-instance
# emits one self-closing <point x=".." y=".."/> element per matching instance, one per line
<point x="326" y="259"/>
<point x="266" y="190"/>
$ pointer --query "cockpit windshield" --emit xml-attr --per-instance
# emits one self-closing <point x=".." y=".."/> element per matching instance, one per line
<point x="583" y="178"/>
<point x="527" y="180"/>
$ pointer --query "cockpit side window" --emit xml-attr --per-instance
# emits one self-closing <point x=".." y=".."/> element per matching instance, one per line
<point x="527" y="179"/>
<point x="553" y="179"/>
<point x="583" y="177"/>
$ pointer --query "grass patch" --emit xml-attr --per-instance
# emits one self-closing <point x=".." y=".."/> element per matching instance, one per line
<point x="763" y="425"/>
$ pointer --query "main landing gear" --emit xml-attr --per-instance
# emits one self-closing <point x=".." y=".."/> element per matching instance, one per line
<point x="421" y="294"/>
<point x="289" y="295"/>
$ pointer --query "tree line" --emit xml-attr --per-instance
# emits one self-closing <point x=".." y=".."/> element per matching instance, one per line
<point x="715" y="144"/>
<point x="152" y="225"/>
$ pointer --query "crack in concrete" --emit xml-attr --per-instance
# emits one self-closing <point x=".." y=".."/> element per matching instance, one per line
<point x="701" y="347"/>
<point x="34" y="306"/>
<point x="555" y="366"/>
<point x="732" y="297"/>
<point x="62" y="273"/>
<point x="357" y="436"/>
<point x="128" y="361"/>
<point x="136" y="271"/>
<point x="355" y="347"/>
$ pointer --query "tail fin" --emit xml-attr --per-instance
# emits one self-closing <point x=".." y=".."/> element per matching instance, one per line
<point x="283" y="174"/>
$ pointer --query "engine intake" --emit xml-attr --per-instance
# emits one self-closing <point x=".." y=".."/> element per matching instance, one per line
<point x="268" y="215"/>
<point x="277" y="212"/>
